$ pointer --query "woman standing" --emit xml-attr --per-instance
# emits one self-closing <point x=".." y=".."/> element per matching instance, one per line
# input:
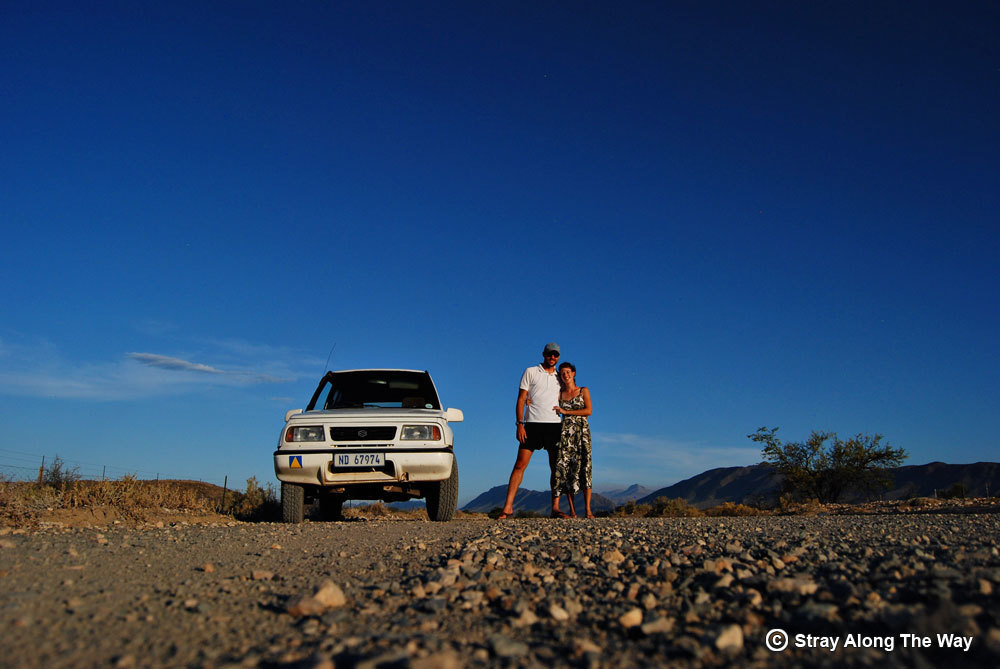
<point x="573" y="466"/>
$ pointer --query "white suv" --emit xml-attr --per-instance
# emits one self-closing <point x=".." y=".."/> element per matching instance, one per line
<point x="377" y="434"/>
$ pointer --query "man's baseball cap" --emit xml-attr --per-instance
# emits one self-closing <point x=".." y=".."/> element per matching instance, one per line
<point x="551" y="346"/>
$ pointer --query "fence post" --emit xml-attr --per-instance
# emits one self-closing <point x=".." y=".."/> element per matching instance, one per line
<point x="225" y="484"/>
<point x="41" y="470"/>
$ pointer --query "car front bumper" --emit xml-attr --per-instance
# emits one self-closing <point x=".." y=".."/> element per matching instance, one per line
<point x="316" y="467"/>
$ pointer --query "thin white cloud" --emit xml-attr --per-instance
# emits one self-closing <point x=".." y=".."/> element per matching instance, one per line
<point x="38" y="370"/>
<point x="166" y="362"/>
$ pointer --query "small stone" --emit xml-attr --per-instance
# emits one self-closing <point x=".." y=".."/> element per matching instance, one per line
<point x="658" y="626"/>
<point x="208" y="567"/>
<point x="613" y="556"/>
<point x="558" y="613"/>
<point x="505" y="647"/>
<point x="631" y="618"/>
<point x="649" y="601"/>
<point x="724" y="581"/>
<point x="261" y="575"/>
<point x="526" y="619"/>
<point x="442" y="660"/>
<point x="305" y="606"/>
<point x="730" y="639"/>
<point x="330" y="595"/>
<point x="276" y="547"/>
<point x="584" y="646"/>
<point x="800" y="585"/>
<point x="818" y="611"/>
<point x="473" y="597"/>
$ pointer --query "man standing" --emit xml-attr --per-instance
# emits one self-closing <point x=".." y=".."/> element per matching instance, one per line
<point x="540" y="428"/>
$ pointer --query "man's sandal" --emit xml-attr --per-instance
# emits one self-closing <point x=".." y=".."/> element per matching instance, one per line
<point x="559" y="514"/>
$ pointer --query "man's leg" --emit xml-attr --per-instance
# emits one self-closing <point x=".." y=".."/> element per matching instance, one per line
<point x="520" y="464"/>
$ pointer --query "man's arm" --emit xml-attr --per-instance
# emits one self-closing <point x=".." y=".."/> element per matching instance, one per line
<point x="522" y="396"/>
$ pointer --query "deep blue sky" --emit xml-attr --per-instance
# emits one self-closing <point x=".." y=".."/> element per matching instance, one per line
<point x="728" y="214"/>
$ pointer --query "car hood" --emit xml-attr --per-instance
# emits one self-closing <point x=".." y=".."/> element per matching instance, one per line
<point x="372" y="413"/>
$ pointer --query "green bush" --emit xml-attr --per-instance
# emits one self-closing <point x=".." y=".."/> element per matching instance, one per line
<point x="826" y="468"/>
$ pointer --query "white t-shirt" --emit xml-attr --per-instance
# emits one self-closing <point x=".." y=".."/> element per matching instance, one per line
<point x="543" y="391"/>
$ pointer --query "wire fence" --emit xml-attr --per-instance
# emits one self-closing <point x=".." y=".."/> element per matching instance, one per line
<point x="24" y="466"/>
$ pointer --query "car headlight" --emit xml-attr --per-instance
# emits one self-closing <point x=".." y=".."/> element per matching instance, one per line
<point x="420" y="433"/>
<point x="304" y="433"/>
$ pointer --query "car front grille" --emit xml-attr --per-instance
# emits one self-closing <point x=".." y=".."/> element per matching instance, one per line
<point x="374" y="433"/>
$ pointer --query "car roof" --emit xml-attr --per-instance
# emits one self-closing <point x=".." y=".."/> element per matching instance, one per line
<point x="379" y="369"/>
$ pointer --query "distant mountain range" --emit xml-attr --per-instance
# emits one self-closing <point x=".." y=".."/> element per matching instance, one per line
<point x="756" y="484"/>
<point x="630" y="494"/>
<point x="534" y="500"/>
<point x="760" y="483"/>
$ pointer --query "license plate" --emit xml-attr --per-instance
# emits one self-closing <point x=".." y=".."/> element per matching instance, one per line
<point x="359" y="459"/>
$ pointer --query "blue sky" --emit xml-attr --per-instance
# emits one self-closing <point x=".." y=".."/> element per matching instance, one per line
<point x="728" y="214"/>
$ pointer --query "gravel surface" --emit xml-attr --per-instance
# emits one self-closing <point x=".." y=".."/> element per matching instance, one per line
<point x="605" y="593"/>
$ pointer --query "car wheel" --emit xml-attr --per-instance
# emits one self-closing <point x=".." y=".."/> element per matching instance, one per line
<point x="331" y="506"/>
<point x="293" y="497"/>
<point x="442" y="497"/>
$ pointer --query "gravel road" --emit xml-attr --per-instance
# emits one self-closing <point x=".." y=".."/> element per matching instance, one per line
<point x="604" y="593"/>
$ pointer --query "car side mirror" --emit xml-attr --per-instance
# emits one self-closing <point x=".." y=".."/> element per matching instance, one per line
<point x="454" y="415"/>
<point x="289" y="414"/>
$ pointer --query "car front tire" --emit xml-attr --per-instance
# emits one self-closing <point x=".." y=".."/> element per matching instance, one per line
<point x="293" y="498"/>
<point x="442" y="497"/>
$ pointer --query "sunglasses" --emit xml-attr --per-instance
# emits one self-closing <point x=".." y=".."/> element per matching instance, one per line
<point x="552" y="354"/>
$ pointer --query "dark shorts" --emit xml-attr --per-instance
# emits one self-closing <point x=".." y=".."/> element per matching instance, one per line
<point x="542" y="436"/>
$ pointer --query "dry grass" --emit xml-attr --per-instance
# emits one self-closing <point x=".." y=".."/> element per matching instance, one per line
<point x="731" y="509"/>
<point x="660" y="508"/>
<point x="26" y="504"/>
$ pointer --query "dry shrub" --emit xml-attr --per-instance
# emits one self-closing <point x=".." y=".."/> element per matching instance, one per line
<point x="16" y="508"/>
<point x="731" y="509"/>
<point x="920" y="503"/>
<point x="58" y="475"/>
<point x="376" y="510"/>
<point x="631" y="509"/>
<point x="673" y="508"/>
<point x="256" y="503"/>
<point x="132" y="497"/>
<point x="787" y="506"/>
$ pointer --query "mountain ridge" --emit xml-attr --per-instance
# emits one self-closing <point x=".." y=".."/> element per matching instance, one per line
<point x="756" y="485"/>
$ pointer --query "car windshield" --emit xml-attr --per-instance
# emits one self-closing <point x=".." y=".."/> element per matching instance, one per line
<point x="375" y="388"/>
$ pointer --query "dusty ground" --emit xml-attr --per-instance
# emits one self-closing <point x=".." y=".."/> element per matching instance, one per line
<point x="612" y="592"/>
